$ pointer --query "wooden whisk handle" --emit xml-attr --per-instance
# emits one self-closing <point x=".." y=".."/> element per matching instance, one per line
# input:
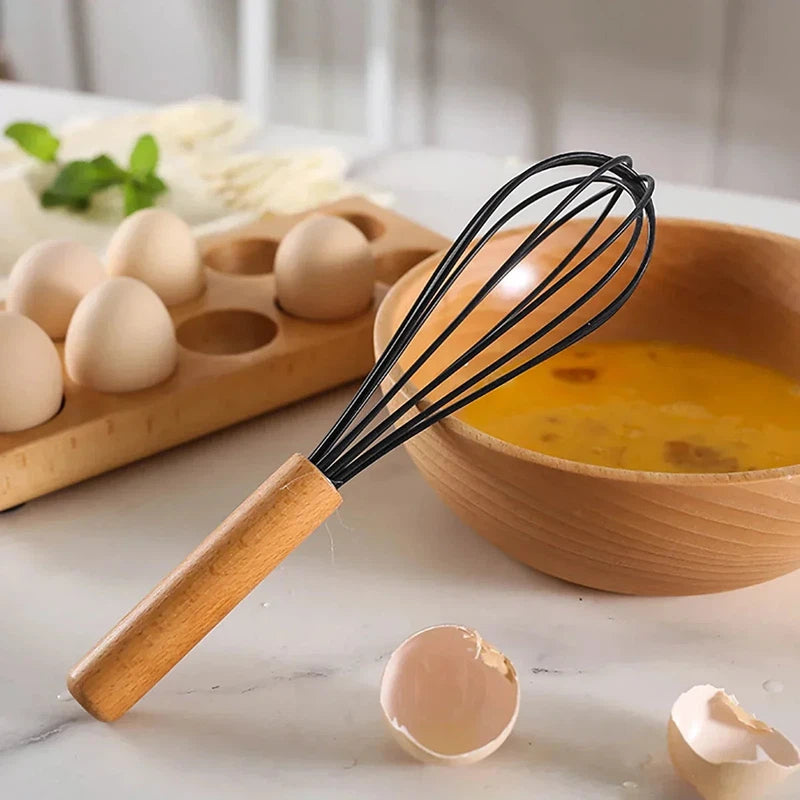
<point x="194" y="597"/>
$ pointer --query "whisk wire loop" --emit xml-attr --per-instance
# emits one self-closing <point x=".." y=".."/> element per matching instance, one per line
<point x="351" y="446"/>
<point x="421" y="307"/>
<point x="439" y="409"/>
<point x="500" y="328"/>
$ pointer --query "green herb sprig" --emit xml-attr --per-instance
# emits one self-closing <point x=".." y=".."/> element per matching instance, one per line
<point x="77" y="181"/>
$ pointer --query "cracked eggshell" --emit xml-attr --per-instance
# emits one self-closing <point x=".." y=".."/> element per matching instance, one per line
<point x="48" y="280"/>
<point x="722" y="750"/>
<point x="121" y="338"/>
<point x="157" y="247"/>
<point x="448" y="697"/>
<point x="324" y="269"/>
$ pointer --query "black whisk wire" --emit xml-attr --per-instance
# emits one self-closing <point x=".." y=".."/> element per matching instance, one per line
<point x="351" y="446"/>
<point x="438" y="284"/>
<point x="457" y="320"/>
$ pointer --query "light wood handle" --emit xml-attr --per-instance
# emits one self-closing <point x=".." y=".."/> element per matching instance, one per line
<point x="193" y="598"/>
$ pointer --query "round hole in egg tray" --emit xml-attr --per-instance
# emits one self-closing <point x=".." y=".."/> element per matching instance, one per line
<point x="371" y="227"/>
<point x="226" y="332"/>
<point x="242" y="256"/>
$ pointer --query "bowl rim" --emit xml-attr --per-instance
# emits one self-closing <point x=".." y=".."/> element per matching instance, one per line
<point x="382" y="332"/>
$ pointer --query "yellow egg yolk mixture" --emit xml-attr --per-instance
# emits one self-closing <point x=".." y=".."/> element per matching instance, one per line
<point x="653" y="406"/>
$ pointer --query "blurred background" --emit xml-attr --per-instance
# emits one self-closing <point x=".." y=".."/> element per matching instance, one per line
<point x="702" y="91"/>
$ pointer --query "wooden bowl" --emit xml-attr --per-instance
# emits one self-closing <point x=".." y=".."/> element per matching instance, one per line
<point x="733" y="289"/>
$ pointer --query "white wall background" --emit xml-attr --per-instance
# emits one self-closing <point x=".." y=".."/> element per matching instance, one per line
<point x="699" y="91"/>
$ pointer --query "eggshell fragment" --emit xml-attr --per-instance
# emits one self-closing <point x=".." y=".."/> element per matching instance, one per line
<point x="121" y="338"/>
<point x="157" y="247"/>
<point x="31" y="382"/>
<point x="324" y="269"/>
<point x="49" y="279"/>
<point x="448" y="697"/>
<point x="722" y="750"/>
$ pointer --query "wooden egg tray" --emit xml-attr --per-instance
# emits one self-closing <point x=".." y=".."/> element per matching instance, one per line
<point x="239" y="356"/>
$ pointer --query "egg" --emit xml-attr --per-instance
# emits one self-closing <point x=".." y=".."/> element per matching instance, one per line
<point x="324" y="269"/>
<point x="723" y="751"/>
<point x="31" y="383"/>
<point x="49" y="279"/>
<point x="121" y="338"/>
<point x="157" y="247"/>
<point x="448" y="696"/>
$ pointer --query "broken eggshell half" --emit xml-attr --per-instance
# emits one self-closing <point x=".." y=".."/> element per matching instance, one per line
<point x="724" y="751"/>
<point x="448" y="696"/>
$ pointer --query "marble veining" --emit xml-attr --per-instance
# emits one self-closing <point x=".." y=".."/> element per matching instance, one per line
<point x="284" y="702"/>
<point x="44" y="734"/>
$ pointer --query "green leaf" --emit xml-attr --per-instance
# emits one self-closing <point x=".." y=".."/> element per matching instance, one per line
<point x="51" y="199"/>
<point x="77" y="179"/>
<point x="136" y="197"/>
<point x="151" y="183"/>
<point x="34" y="139"/>
<point x="141" y="192"/>
<point x="107" y="172"/>
<point x="144" y="156"/>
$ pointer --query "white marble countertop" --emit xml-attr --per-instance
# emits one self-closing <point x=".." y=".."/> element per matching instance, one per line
<point x="281" y="699"/>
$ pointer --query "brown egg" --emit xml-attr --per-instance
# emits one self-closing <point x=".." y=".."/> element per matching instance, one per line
<point x="157" y="247"/>
<point x="31" y="383"/>
<point x="49" y="279"/>
<point x="121" y="338"/>
<point x="324" y="269"/>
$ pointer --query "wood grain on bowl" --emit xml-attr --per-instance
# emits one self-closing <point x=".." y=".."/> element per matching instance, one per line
<point x="733" y="289"/>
